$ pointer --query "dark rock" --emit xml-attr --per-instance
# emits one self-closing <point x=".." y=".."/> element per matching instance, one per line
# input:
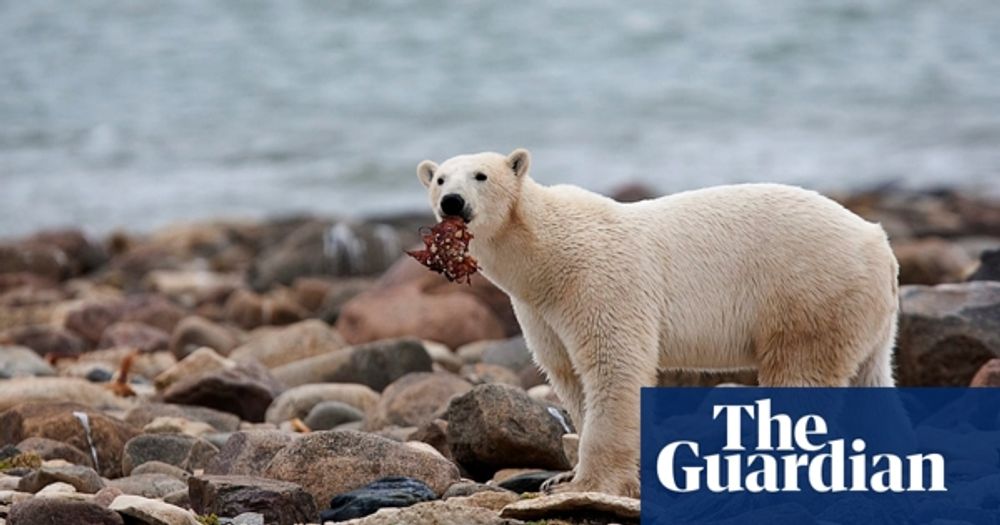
<point x="375" y="364"/>
<point x="44" y="261"/>
<point x="140" y="336"/>
<point x="342" y="291"/>
<point x="143" y="415"/>
<point x="358" y="459"/>
<point x="84" y="479"/>
<point x="38" y="511"/>
<point x="497" y="426"/>
<point x="45" y="340"/>
<point x="527" y="482"/>
<point x="280" y="502"/>
<point x="89" y="320"/>
<point x="151" y="485"/>
<point x="245" y="390"/>
<point x="386" y="492"/>
<point x="52" y="449"/>
<point x="930" y="261"/>
<point x="415" y="399"/>
<point x="56" y="421"/>
<point x="195" y="332"/>
<point x="947" y="332"/>
<point x="181" y="450"/>
<point x="329" y="414"/>
<point x="248" y="452"/>
<point x="435" y="434"/>
<point x="989" y="267"/>
<point x="99" y="374"/>
<point x="82" y="255"/>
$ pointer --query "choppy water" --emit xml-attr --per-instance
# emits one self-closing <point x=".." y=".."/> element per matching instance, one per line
<point x="137" y="113"/>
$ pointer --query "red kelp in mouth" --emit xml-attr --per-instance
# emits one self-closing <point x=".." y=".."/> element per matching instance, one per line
<point x="447" y="250"/>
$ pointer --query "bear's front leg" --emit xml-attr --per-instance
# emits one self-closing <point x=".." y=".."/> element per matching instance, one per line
<point x="614" y="365"/>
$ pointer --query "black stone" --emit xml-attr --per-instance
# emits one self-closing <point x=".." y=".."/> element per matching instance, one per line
<point x="386" y="492"/>
<point x="530" y="482"/>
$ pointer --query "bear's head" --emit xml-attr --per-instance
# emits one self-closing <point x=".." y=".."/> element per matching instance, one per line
<point x="481" y="188"/>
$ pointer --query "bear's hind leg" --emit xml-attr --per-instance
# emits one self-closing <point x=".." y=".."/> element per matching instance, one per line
<point x="804" y="360"/>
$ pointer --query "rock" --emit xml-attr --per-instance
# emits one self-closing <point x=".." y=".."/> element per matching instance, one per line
<point x="375" y="364"/>
<point x="20" y="361"/>
<point x="988" y="268"/>
<point x="91" y="318"/>
<point x="145" y="414"/>
<point x="60" y="489"/>
<point x="194" y="332"/>
<point x="57" y="421"/>
<point x="51" y="449"/>
<point x="633" y="192"/>
<point x="435" y="513"/>
<point x="249" y="310"/>
<point x="202" y="361"/>
<point x="435" y="434"/>
<point x="159" y="467"/>
<point x="56" y="389"/>
<point x="319" y="248"/>
<point x="44" y="261"/>
<point x="37" y="511"/>
<point x="134" y="335"/>
<point x="150" y="485"/>
<point x="181" y="450"/>
<point x="988" y="375"/>
<point x="178" y="425"/>
<point x="415" y="399"/>
<point x="512" y="353"/>
<point x="342" y="291"/>
<point x="329" y="414"/>
<point x="45" y="340"/>
<point x="83" y="479"/>
<point x="274" y="347"/>
<point x="105" y="496"/>
<point x="280" y="502"/>
<point x="245" y="390"/>
<point x="179" y="498"/>
<point x="931" y="261"/>
<point x="487" y="499"/>
<point x="80" y="254"/>
<point x="452" y="319"/>
<point x="443" y="356"/>
<point x="151" y="511"/>
<point x="592" y="504"/>
<point x="496" y="426"/>
<point x="147" y="365"/>
<point x="153" y="310"/>
<point x="468" y="488"/>
<point x="189" y="287"/>
<point x="484" y="373"/>
<point x="311" y="292"/>
<point x="386" y="492"/>
<point x="249" y="452"/>
<point x="523" y="480"/>
<point x="947" y="332"/>
<point x="299" y="401"/>
<point x="359" y="459"/>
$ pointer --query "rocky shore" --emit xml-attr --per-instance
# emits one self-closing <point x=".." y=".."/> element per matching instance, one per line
<point x="302" y="371"/>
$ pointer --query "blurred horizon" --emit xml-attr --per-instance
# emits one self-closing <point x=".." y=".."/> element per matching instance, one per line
<point x="136" y="115"/>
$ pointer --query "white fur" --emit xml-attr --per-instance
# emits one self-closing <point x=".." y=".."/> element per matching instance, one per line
<point x="761" y="276"/>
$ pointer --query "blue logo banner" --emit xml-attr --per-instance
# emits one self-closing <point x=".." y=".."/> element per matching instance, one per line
<point x="774" y="456"/>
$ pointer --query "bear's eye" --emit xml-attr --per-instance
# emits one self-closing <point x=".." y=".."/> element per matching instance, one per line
<point x="440" y="181"/>
<point x="481" y="177"/>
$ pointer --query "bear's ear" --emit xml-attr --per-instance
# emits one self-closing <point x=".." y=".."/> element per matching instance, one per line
<point x="519" y="160"/>
<point x="425" y="172"/>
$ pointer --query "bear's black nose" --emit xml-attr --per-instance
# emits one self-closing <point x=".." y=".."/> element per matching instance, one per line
<point x="452" y="204"/>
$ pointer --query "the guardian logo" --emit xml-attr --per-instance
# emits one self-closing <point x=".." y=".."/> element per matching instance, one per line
<point x="790" y="456"/>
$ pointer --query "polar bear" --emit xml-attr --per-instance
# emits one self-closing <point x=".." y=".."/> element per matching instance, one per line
<point x="763" y="276"/>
